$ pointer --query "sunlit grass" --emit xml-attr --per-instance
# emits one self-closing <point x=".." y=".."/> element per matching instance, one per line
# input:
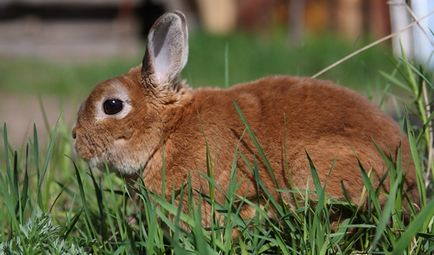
<point x="54" y="204"/>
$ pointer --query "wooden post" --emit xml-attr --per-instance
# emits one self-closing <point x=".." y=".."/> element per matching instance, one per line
<point x="218" y="16"/>
<point x="350" y="18"/>
<point x="296" y="21"/>
<point x="399" y="18"/>
<point x="423" y="39"/>
<point x="379" y="18"/>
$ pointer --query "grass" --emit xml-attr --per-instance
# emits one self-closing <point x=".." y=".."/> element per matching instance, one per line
<point x="54" y="204"/>
<point x="216" y="61"/>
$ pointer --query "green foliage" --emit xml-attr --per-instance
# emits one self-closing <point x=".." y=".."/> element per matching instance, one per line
<point x="39" y="236"/>
<point x="242" y="57"/>
<point x="235" y="58"/>
<point x="54" y="204"/>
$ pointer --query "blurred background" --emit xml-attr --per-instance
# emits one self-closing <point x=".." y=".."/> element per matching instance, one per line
<point x="53" y="52"/>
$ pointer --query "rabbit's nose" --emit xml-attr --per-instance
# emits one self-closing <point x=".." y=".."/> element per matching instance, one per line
<point x="74" y="133"/>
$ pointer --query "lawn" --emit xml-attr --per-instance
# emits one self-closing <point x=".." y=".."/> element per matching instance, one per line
<point x="53" y="203"/>
<point x="213" y="61"/>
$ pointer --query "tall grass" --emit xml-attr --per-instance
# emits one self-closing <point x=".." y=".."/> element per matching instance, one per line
<point x="54" y="204"/>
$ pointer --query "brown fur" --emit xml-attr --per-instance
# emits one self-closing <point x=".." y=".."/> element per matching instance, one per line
<point x="333" y="124"/>
<point x="290" y="116"/>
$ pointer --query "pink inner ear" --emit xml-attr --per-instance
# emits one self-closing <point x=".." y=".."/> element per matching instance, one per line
<point x="168" y="47"/>
<point x="162" y="62"/>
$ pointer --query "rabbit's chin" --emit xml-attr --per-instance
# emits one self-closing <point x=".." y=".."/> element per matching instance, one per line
<point x="123" y="168"/>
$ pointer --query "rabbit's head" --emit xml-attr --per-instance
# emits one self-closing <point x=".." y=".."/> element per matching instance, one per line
<point x="122" y="121"/>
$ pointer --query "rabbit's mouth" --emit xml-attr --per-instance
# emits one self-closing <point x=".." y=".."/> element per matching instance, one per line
<point x="120" y="167"/>
<point x="95" y="162"/>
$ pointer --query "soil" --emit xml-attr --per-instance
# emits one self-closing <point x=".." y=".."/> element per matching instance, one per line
<point x="20" y="112"/>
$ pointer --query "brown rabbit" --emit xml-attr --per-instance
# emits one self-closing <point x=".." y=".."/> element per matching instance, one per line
<point x="128" y="121"/>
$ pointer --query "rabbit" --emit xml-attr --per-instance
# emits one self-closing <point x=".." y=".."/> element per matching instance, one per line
<point x="138" y="121"/>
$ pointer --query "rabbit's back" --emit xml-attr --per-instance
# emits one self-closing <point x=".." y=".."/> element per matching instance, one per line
<point x="290" y="117"/>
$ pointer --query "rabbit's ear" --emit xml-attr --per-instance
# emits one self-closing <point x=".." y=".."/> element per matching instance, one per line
<point x="167" y="50"/>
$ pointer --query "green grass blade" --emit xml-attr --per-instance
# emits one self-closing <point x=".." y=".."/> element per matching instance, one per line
<point x="6" y="147"/>
<point x="256" y="144"/>
<point x="368" y="185"/>
<point x="25" y="188"/>
<point x="88" y="218"/>
<point x="14" y="185"/>
<point x="172" y="209"/>
<point x="72" y="224"/>
<point x="36" y="163"/>
<point x="395" y="81"/>
<point x="50" y="153"/>
<point x="56" y="199"/>
<point x="44" y="114"/>
<point x="385" y="216"/>
<point x="418" y="167"/>
<point x="314" y="174"/>
<point x="419" y="223"/>
<point x="99" y="199"/>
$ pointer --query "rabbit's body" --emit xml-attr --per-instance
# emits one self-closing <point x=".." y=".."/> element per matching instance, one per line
<point x="290" y="116"/>
<point x="140" y="120"/>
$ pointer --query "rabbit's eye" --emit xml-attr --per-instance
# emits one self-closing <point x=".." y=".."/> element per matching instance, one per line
<point x="113" y="106"/>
